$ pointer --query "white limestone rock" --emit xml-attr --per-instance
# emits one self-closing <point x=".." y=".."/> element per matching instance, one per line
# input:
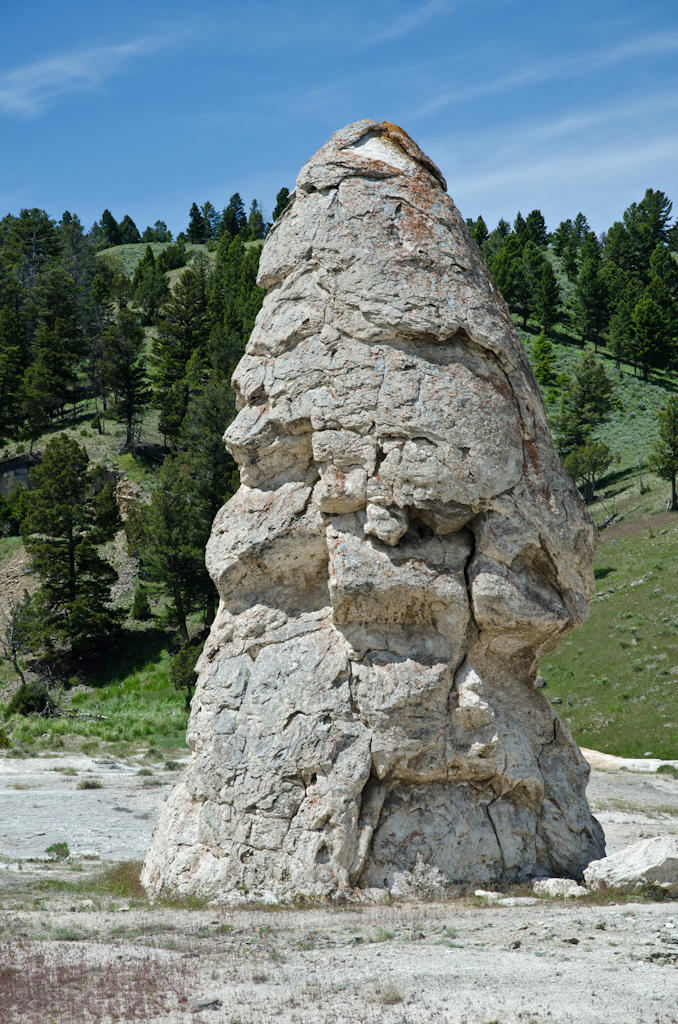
<point x="558" y="887"/>
<point x="648" y="862"/>
<point x="404" y="547"/>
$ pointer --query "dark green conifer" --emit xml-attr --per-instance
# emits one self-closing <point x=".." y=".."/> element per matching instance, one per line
<point x="65" y="524"/>
<point x="110" y="229"/>
<point x="126" y="370"/>
<point x="281" y="202"/>
<point x="196" y="232"/>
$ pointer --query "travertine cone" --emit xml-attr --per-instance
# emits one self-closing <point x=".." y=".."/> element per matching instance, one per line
<point x="404" y="547"/>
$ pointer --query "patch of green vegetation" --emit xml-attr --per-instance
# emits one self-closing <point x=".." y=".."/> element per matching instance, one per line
<point x="620" y="694"/>
<point x="9" y="546"/>
<point x="59" y="851"/>
<point x="130" y="689"/>
<point x="129" y="255"/>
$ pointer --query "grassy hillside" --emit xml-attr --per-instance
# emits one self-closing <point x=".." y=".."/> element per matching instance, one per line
<point x="617" y="675"/>
<point x="129" y="255"/>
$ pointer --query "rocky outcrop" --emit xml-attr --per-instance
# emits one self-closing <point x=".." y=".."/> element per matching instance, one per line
<point x="650" y="862"/>
<point x="404" y="547"/>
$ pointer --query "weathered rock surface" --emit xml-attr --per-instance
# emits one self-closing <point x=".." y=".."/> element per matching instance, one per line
<point x="404" y="547"/>
<point x="649" y="862"/>
<point x="558" y="887"/>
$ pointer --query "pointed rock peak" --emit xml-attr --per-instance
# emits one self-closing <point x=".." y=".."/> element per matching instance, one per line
<point x="375" y="148"/>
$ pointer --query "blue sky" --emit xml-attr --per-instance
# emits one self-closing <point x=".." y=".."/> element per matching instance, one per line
<point x="146" y="107"/>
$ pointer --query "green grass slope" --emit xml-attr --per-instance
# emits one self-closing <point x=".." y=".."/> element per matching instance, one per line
<point x="129" y="255"/>
<point x="617" y="674"/>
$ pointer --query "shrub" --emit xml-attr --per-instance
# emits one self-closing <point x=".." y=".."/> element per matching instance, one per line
<point x="89" y="784"/>
<point x="5" y="741"/>
<point x="58" y="851"/>
<point x="141" y="609"/>
<point x="30" y="698"/>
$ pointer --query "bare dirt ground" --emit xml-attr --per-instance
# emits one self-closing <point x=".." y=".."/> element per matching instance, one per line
<point x="80" y="943"/>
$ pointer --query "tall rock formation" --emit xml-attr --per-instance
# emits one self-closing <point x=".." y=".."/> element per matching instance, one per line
<point x="404" y="547"/>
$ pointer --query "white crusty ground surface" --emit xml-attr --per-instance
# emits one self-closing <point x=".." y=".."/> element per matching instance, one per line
<point x="466" y="969"/>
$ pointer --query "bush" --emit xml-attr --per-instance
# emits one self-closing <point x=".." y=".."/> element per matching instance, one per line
<point x="29" y="699"/>
<point x="173" y="257"/>
<point x="5" y="741"/>
<point x="58" y="851"/>
<point x="141" y="609"/>
<point x="89" y="784"/>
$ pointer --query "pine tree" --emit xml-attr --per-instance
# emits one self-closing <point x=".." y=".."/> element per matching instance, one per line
<point x="505" y="268"/>
<point x="141" y="608"/>
<point x="256" y="229"/>
<point x="547" y="297"/>
<point x="211" y="219"/>
<point x="65" y="525"/>
<point x="167" y="537"/>
<point x="158" y="233"/>
<point x="543" y="360"/>
<point x="149" y="285"/>
<point x="496" y="240"/>
<point x="620" y="328"/>
<point x="580" y="228"/>
<point x="173" y="257"/>
<point x="48" y="381"/>
<point x="571" y="258"/>
<point x="589" y="462"/>
<point x="129" y="233"/>
<point x="663" y="264"/>
<point x="478" y="229"/>
<point x="126" y="370"/>
<point x="11" y="346"/>
<point x="591" y="299"/>
<point x="196" y="231"/>
<point x="585" y="405"/>
<point x="147" y="260"/>
<point x="528" y="272"/>
<point x="234" y="218"/>
<point x="654" y="322"/>
<point x="663" y="458"/>
<point x="281" y="203"/>
<point x="214" y="473"/>
<point x="110" y="229"/>
<point x="183" y="328"/>
<point x="561" y="236"/>
<point x="30" y="244"/>
<point x="535" y="229"/>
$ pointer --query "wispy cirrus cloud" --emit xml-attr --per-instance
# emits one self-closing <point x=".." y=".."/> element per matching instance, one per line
<point x="598" y="161"/>
<point x="650" y="46"/>
<point x="28" y="90"/>
<point x="410" y="21"/>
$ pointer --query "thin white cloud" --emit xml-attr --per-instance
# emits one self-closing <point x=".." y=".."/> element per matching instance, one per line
<point x="651" y="46"/>
<point x="597" y="161"/>
<point x="29" y="89"/>
<point x="411" y="20"/>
